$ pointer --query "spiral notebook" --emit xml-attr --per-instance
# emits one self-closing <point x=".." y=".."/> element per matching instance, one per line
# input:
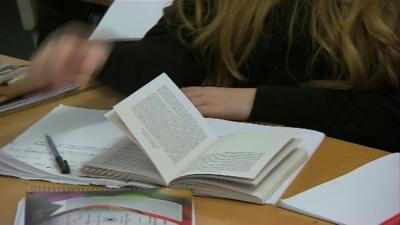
<point x="37" y="97"/>
<point x="163" y="206"/>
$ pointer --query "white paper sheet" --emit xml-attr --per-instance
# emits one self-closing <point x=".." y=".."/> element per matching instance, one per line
<point x="19" y="218"/>
<point x="80" y="135"/>
<point x="369" y="194"/>
<point x="129" y="19"/>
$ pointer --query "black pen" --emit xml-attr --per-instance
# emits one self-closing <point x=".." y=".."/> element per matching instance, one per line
<point x="63" y="164"/>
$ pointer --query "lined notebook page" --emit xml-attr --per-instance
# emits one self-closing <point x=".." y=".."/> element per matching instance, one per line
<point x="36" y="98"/>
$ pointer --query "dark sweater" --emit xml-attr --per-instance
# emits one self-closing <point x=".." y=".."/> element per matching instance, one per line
<point x="366" y="117"/>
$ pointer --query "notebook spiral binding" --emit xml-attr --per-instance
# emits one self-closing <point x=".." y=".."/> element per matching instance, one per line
<point x="80" y="189"/>
<point x="37" y="98"/>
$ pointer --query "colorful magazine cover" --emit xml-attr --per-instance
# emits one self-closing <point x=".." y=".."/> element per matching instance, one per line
<point x="164" y="206"/>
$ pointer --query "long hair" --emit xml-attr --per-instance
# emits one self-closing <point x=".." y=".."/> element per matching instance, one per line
<point x="359" y="38"/>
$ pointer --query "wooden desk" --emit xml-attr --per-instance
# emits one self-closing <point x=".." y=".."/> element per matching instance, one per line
<point x="333" y="158"/>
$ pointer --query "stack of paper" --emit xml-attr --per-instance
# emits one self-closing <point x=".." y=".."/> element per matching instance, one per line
<point x="79" y="134"/>
<point x="82" y="134"/>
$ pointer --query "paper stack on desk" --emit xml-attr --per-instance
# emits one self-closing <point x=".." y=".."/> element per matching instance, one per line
<point x="80" y="134"/>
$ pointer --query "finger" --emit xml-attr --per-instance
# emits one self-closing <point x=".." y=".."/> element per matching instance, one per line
<point x="37" y="70"/>
<point x="206" y="111"/>
<point x="65" y="59"/>
<point x="94" y="59"/>
<point x="15" y="88"/>
<point x="75" y="27"/>
<point x="191" y="89"/>
<point x="198" y="101"/>
<point x="3" y="98"/>
<point x="191" y="95"/>
<point x="192" y="92"/>
<point x="4" y="91"/>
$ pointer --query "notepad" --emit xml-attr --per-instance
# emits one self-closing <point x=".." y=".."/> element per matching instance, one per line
<point x="36" y="98"/>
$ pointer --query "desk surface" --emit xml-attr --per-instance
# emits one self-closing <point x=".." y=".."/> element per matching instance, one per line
<point x="333" y="158"/>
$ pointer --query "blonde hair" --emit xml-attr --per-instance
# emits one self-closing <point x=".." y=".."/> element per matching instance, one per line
<point x="359" y="38"/>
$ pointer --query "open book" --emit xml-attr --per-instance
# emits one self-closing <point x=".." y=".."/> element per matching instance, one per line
<point x="175" y="146"/>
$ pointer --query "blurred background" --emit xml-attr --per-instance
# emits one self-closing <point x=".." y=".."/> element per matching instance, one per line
<point x="14" y="40"/>
<point x="25" y="24"/>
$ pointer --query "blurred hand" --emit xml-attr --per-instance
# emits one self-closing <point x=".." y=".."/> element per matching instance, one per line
<point x="65" y="57"/>
<point x="223" y="103"/>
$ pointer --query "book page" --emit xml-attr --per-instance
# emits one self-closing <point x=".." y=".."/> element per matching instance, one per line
<point x="239" y="191"/>
<point x="242" y="155"/>
<point x="113" y="117"/>
<point x="123" y="161"/>
<point x="166" y="124"/>
<point x="310" y="140"/>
